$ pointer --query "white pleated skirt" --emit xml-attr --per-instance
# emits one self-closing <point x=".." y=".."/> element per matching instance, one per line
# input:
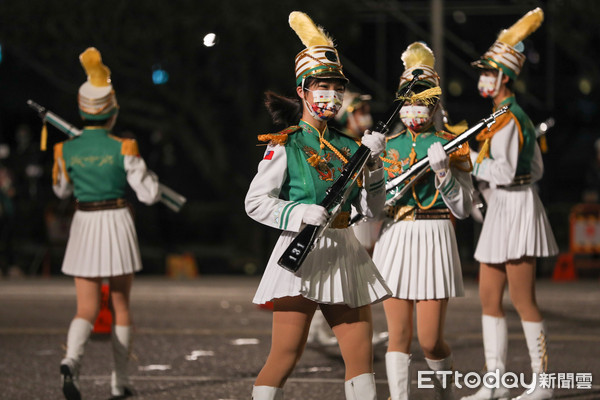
<point x="515" y="225"/>
<point x="419" y="260"/>
<point x="337" y="271"/>
<point x="367" y="232"/>
<point x="102" y="244"/>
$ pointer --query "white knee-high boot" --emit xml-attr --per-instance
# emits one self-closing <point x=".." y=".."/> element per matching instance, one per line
<point x="121" y="341"/>
<point x="397" y="366"/>
<point x="495" y="344"/>
<point x="267" y="393"/>
<point x="535" y="336"/>
<point x="442" y="383"/>
<point x="79" y="333"/>
<point x="361" y="387"/>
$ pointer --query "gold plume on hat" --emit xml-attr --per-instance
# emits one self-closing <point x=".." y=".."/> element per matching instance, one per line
<point x="418" y="54"/>
<point x="309" y="33"/>
<point x="98" y="73"/>
<point x="524" y="27"/>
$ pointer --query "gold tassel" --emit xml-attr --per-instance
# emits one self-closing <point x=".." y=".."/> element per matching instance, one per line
<point x="427" y="97"/>
<point x="543" y="144"/>
<point x="412" y="156"/>
<point x="484" y="152"/>
<point x="44" y="138"/>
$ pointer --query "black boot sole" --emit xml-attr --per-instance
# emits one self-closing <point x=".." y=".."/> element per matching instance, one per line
<point x="127" y="393"/>
<point x="69" y="389"/>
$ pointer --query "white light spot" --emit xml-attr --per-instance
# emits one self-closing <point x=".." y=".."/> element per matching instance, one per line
<point x="154" y="367"/>
<point x="210" y="40"/>
<point x="244" y="341"/>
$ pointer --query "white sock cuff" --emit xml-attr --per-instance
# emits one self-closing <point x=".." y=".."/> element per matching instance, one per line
<point x="397" y="356"/>
<point x="445" y="364"/>
<point x="81" y="324"/>
<point x="122" y="333"/>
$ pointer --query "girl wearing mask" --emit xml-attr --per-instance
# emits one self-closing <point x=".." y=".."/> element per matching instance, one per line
<point x="515" y="228"/>
<point x="338" y="276"/>
<point x="417" y="252"/>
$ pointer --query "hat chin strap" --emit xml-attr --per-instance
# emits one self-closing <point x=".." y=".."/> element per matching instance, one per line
<point x="498" y="82"/>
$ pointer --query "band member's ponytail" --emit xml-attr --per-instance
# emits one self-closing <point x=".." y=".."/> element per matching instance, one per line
<point x="284" y="111"/>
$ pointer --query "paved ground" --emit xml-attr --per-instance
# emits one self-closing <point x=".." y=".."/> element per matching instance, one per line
<point x="204" y="339"/>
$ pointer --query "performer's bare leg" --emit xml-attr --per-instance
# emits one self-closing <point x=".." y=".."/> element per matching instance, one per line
<point x="399" y="315"/>
<point x="291" y="321"/>
<point x="88" y="298"/>
<point x="431" y="316"/>
<point x="120" y="289"/>
<point x="353" y="328"/>
<point x="521" y="286"/>
<point x="492" y="281"/>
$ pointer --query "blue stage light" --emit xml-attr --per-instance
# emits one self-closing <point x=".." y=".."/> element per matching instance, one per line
<point x="159" y="76"/>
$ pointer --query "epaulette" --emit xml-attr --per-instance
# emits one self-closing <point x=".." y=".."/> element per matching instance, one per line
<point x="280" y="137"/>
<point x="501" y="122"/>
<point x="457" y="129"/>
<point x="129" y="147"/>
<point x="461" y="157"/>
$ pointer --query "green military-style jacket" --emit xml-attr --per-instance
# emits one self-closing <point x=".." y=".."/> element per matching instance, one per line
<point x="400" y="156"/>
<point x="312" y="169"/>
<point x="95" y="163"/>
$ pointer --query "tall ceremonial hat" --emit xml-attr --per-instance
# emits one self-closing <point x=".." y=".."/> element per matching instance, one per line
<point x="506" y="52"/>
<point x="418" y="56"/>
<point x="320" y="58"/>
<point x="97" y="100"/>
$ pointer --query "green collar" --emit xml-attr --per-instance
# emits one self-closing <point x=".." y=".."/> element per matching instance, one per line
<point x="507" y="102"/>
<point x="95" y="129"/>
<point x="308" y="127"/>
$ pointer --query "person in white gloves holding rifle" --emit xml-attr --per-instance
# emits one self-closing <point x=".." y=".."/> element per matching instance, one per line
<point x="515" y="228"/>
<point x="417" y="253"/>
<point x="300" y="163"/>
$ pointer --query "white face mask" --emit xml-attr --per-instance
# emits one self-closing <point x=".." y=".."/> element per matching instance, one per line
<point x="415" y="117"/>
<point x="488" y="85"/>
<point x="326" y="103"/>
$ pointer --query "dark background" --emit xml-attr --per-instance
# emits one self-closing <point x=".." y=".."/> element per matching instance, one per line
<point x="198" y="130"/>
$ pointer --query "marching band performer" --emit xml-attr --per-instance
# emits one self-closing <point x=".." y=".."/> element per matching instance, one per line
<point x="96" y="167"/>
<point x="338" y="276"/>
<point x="515" y="229"/>
<point x="417" y="253"/>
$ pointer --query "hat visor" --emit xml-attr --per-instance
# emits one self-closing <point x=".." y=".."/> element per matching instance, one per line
<point x="482" y="64"/>
<point x="324" y="74"/>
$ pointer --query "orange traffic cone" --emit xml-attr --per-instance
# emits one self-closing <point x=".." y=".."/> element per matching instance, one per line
<point x="564" y="270"/>
<point x="267" y="306"/>
<point x="104" y="321"/>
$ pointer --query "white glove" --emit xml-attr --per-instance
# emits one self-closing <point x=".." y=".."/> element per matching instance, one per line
<point x="315" y="215"/>
<point x="438" y="159"/>
<point x="375" y="141"/>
